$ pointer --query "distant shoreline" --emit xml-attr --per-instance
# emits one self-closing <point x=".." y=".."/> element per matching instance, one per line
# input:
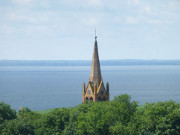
<point x="128" y="62"/>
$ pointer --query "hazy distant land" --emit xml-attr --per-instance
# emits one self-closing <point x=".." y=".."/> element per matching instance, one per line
<point x="124" y="62"/>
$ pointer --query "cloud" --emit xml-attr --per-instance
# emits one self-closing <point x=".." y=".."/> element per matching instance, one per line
<point x="147" y="9"/>
<point x="136" y="1"/>
<point x="22" y="18"/>
<point x="45" y="4"/>
<point x="133" y="2"/>
<point x="73" y="14"/>
<point x="131" y="20"/>
<point x="96" y="3"/>
<point x="90" y="21"/>
<point x="154" y="21"/>
<point x="21" y="1"/>
<point x="163" y="13"/>
<point x="7" y="29"/>
<point x="29" y="29"/>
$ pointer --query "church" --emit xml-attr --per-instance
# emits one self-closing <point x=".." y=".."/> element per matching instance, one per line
<point x="95" y="90"/>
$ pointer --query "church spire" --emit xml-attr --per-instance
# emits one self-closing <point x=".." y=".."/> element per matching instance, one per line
<point x="95" y="75"/>
<point x="95" y="90"/>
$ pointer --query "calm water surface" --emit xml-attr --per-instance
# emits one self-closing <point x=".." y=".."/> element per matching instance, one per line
<point x="41" y="88"/>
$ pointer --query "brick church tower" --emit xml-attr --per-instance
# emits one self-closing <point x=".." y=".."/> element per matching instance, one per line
<point x="95" y="89"/>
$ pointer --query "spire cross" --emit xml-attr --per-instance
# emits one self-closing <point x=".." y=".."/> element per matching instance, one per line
<point x="95" y="34"/>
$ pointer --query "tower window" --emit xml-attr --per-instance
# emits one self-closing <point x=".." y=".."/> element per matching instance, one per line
<point x="102" y="92"/>
<point x="91" y="99"/>
<point x="89" y="92"/>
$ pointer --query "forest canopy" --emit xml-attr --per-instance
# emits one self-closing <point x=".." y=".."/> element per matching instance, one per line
<point x="121" y="116"/>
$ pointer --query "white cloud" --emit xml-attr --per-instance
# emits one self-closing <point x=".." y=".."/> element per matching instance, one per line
<point x="131" y="20"/>
<point x="62" y="13"/>
<point x="162" y="13"/>
<point x="7" y="29"/>
<point x="45" y="4"/>
<point x="22" y="18"/>
<point x="133" y="2"/>
<point x="154" y="21"/>
<point x="91" y="21"/>
<point x="64" y="19"/>
<point x="117" y="19"/>
<point x="147" y="9"/>
<point x="136" y="1"/>
<point x="96" y="3"/>
<point x="29" y="29"/>
<point x="22" y="1"/>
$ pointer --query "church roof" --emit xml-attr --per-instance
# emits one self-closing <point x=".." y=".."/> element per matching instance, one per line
<point x="95" y="75"/>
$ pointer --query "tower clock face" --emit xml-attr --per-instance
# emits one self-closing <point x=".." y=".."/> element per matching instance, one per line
<point x="89" y="92"/>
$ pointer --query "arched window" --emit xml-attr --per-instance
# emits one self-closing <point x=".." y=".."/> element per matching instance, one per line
<point x="99" y="99"/>
<point x="87" y="98"/>
<point x="104" y="98"/>
<point x="91" y="99"/>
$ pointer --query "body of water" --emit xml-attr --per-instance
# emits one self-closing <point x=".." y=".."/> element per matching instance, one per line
<point x="41" y="87"/>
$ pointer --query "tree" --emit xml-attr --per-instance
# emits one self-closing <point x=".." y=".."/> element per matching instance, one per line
<point x="104" y="117"/>
<point x="161" y="118"/>
<point x="53" y="122"/>
<point x="17" y="127"/>
<point x="120" y="116"/>
<point x="6" y="113"/>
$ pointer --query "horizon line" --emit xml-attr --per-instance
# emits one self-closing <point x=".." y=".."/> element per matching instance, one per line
<point x="81" y="59"/>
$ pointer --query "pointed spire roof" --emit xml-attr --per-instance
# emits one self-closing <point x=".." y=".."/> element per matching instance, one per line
<point x="95" y="75"/>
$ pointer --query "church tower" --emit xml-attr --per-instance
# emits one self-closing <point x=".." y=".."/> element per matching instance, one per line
<point x="95" y="89"/>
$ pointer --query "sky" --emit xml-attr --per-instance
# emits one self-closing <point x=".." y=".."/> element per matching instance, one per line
<point x="65" y="29"/>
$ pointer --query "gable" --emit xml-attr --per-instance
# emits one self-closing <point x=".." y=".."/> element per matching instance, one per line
<point x="101" y="89"/>
<point x="89" y="90"/>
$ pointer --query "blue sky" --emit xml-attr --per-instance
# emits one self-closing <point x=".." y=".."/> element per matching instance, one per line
<point x="64" y="29"/>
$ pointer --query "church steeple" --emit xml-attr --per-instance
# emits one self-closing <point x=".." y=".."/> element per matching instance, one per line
<point x="95" y="89"/>
<point x="95" y="75"/>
